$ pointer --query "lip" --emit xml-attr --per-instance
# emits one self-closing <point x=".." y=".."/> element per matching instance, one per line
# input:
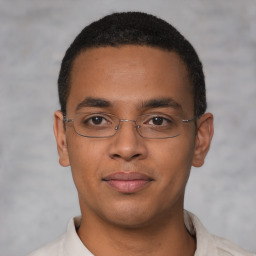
<point x="127" y="182"/>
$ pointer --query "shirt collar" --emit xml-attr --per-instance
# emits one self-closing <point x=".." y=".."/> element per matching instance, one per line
<point x="204" y="241"/>
<point x="72" y="243"/>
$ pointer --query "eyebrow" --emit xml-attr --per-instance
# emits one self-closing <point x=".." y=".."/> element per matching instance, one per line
<point x="159" y="103"/>
<point x="93" y="102"/>
<point x="147" y="104"/>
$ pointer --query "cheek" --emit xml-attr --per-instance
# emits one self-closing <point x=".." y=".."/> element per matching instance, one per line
<point x="179" y="150"/>
<point x="172" y="164"/>
<point x="173" y="159"/>
<point x="85" y="158"/>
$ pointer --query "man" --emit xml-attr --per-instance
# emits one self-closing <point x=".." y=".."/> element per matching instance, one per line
<point x="131" y="125"/>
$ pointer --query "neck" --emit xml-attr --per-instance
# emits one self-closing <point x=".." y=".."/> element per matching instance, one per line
<point x="165" y="237"/>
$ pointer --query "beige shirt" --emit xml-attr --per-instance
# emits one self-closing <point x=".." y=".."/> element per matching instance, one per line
<point x="69" y="244"/>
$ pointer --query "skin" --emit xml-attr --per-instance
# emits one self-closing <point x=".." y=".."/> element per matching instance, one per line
<point x="148" y="221"/>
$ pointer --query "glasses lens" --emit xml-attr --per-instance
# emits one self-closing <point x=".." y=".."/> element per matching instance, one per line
<point x="96" y="125"/>
<point x="159" y="126"/>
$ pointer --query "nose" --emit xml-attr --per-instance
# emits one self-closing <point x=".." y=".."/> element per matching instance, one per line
<point x="127" y="144"/>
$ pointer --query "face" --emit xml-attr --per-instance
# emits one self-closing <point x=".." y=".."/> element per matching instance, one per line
<point x="126" y="179"/>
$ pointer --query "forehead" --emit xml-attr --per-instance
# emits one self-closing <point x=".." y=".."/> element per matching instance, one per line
<point x="129" y="74"/>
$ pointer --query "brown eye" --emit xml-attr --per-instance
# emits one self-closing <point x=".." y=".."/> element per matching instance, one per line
<point x="97" y="119"/>
<point x="157" y="120"/>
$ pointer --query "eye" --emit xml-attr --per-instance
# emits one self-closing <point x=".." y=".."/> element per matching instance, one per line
<point x="96" y="120"/>
<point x="159" y="121"/>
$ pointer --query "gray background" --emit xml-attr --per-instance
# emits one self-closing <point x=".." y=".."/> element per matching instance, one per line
<point x="37" y="196"/>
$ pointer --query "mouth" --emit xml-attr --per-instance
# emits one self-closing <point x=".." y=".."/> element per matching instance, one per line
<point x="127" y="182"/>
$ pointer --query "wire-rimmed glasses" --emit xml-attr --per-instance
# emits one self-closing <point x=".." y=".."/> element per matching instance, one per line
<point x="104" y="125"/>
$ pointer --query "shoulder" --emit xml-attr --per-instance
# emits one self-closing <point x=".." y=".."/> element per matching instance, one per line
<point x="68" y="244"/>
<point x="51" y="249"/>
<point x="227" y="248"/>
<point x="206" y="242"/>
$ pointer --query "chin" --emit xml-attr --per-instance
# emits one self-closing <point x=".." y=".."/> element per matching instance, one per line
<point x="130" y="216"/>
<point x="130" y="222"/>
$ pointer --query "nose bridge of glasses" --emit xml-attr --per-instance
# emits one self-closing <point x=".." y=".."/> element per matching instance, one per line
<point x="126" y="121"/>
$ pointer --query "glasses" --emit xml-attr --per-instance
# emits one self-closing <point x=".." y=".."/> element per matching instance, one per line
<point x="104" y="125"/>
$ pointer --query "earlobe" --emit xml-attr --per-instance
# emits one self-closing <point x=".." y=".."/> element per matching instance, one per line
<point x="60" y="136"/>
<point x="203" y="139"/>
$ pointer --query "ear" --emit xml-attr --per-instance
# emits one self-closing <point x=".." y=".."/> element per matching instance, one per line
<point x="203" y="139"/>
<point x="61" y="141"/>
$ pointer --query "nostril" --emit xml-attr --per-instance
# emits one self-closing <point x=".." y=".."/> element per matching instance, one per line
<point x="136" y="155"/>
<point x="128" y="157"/>
<point x="116" y="156"/>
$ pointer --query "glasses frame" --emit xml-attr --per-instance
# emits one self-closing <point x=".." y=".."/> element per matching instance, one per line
<point x="70" y="120"/>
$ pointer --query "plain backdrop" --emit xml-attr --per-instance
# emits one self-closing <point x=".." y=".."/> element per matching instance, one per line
<point x="37" y="196"/>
